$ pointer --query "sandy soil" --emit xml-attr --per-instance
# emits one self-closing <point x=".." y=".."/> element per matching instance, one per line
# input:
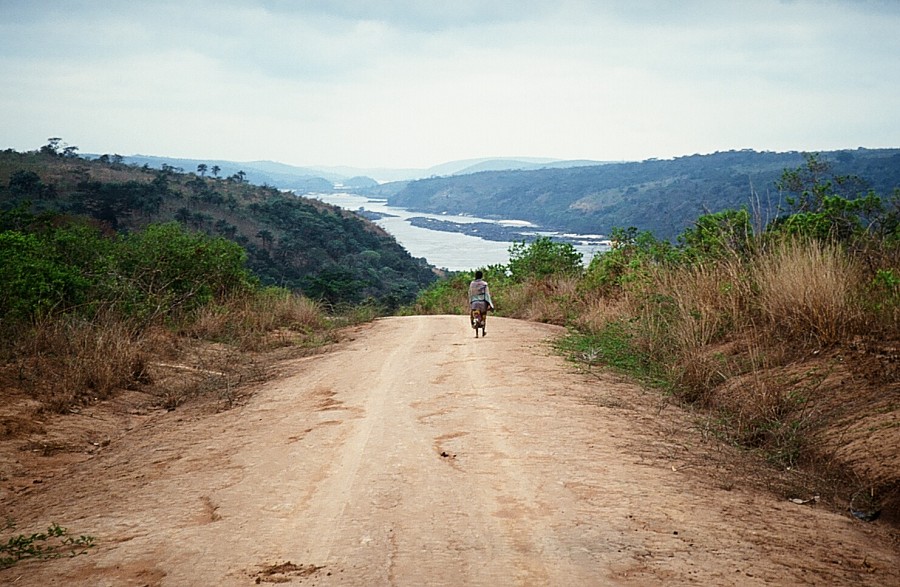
<point x="415" y="454"/>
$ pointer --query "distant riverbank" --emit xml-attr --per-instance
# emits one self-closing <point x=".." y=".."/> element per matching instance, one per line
<point x="457" y="243"/>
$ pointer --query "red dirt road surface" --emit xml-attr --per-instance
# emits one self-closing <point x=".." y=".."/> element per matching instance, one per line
<point x="415" y="454"/>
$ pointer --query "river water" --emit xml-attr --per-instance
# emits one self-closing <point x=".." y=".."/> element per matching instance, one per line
<point x="449" y="250"/>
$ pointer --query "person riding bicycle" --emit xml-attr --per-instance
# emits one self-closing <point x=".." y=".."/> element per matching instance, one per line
<point x="479" y="297"/>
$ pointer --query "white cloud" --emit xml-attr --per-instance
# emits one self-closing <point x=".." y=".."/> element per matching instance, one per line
<point x="417" y="83"/>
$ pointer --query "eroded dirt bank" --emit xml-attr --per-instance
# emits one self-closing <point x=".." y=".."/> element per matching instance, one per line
<point x="418" y="455"/>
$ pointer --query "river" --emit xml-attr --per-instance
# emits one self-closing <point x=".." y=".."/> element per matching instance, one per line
<point x="450" y="250"/>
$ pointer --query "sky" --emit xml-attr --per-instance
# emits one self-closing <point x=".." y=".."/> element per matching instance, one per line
<point x="416" y="83"/>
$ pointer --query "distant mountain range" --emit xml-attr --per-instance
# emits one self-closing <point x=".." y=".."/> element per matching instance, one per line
<point x="467" y="166"/>
<point x="325" y="178"/>
<point x="271" y="173"/>
<point x="583" y="196"/>
<point x="662" y="196"/>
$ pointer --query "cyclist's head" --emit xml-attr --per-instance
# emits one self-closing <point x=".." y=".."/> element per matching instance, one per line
<point x="479" y="275"/>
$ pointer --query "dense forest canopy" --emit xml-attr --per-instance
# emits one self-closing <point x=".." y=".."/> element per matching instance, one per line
<point x="662" y="196"/>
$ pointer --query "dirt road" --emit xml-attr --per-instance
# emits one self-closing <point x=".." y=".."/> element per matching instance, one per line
<point x="418" y="455"/>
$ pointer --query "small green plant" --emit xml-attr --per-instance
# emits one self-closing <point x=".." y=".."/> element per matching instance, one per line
<point x="887" y="280"/>
<point x="54" y="543"/>
<point x="613" y="346"/>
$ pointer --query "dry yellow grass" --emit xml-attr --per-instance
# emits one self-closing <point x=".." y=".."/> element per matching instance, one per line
<point x="247" y="320"/>
<point x="597" y="311"/>
<point x="552" y="300"/>
<point x="64" y="361"/>
<point x="67" y="361"/>
<point x="809" y="290"/>
<point x="706" y="301"/>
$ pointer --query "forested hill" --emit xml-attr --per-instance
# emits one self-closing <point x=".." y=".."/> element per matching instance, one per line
<point x="663" y="196"/>
<point x="299" y="243"/>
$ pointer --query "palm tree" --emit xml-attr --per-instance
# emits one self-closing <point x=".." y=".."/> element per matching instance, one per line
<point x="183" y="215"/>
<point x="266" y="237"/>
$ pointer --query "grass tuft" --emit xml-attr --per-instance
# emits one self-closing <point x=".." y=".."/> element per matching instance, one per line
<point x="809" y="289"/>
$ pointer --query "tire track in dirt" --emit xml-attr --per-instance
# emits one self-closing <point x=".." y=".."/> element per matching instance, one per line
<point x="418" y="455"/>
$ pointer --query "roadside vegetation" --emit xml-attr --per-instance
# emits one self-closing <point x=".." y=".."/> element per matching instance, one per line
<point x="158" y="289"/>
<point x="88" y="312"/>
<point x="175" y="284"/>
<point x="784" y="335"/>
<point x="290" y="241"/>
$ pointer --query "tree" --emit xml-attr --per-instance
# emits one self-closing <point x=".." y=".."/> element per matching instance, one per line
<point x="52" y="146"/>
<point x="823" y="205"/>
<point x="25" y="183"/>
<point x="183" y="215"/>
<point x="718" y="234"/>
<point x="224" y="227"/>
<point x="543" y="258"/>
<point x="632" y="253"/>
<point x="266" y="237"/>
<point x="201" y="169"/>
<point x="335" y="284"/>
<point x="215" y="170"/>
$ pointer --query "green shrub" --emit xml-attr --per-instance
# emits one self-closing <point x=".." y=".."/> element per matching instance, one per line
<point x="728" y="232"/>
<point x="543" y="258"/>
<point x="34" y="282"/>
<point x="628" y="260"/>
<point x="166" y="268"/>
<point x="67" y="266"/>
<point x="445" y="296"/>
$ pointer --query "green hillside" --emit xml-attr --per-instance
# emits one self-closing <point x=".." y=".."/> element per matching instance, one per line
<point x="662" y="196"/>
<point x="303" y="244"/>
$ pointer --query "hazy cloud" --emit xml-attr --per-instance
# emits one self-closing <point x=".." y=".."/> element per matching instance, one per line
<point x="417" y="83"/>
